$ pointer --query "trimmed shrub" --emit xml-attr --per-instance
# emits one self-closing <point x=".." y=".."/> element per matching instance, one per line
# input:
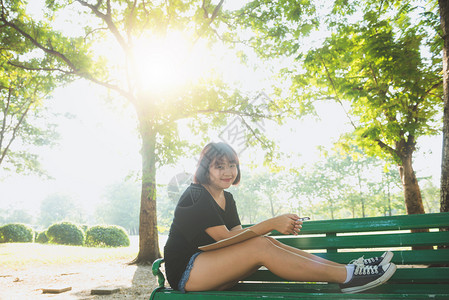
<point x="42" y="238"/>
<point x="16" y="233"/>
<point x="65" y="233"/>
<point x="107" y="236"/>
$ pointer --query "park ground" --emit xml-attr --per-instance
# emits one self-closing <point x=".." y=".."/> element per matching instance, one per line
<point x="27" y="269"/>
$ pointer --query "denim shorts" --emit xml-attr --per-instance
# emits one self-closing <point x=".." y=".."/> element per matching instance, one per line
<point x="185" y="276"/>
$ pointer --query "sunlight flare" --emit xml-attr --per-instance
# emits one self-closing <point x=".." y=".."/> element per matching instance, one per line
<point x="169" y="62"/>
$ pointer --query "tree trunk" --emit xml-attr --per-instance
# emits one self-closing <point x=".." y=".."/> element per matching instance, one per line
<point x="444" y="191"/>
<point x="412" y="193"/>
<point x="148" y="234"/>
<point x="389" y="200"/>
<point x="444" y="18"/>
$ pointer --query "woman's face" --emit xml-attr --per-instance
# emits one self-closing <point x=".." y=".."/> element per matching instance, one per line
<point x="222" y="173"/>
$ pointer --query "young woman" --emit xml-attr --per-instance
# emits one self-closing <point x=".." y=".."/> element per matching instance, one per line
<point x="206" y="213"/>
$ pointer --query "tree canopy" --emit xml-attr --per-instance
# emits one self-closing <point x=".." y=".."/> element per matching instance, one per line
<point x="379" y="59"/>
<point x="26" y="80"/>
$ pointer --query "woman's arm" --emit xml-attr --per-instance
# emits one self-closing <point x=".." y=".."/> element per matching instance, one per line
<point x="286" y="224"/>
<point x="220" y="232"/>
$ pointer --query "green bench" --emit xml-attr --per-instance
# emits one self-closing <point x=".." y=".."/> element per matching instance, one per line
<point x="421" y="274"/>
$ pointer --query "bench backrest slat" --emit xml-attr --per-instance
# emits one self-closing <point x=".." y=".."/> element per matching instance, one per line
<point x="402" y="222"/>
<point x="369" y="241"/>
<point x="406" y="257"/>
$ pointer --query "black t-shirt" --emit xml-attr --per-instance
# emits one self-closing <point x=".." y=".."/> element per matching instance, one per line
<point x="195" y="212"/>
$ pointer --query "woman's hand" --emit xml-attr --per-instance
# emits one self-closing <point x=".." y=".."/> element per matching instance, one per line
<point x="287" y="224"/>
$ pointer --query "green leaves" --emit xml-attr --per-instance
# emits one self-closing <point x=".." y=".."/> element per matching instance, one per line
<point x="34" y="60"/>
<point x="21" y="94"/>
<point x="275" y="25"/>
<point x="381" y="60"/>
<point x="376" y="60"/>
<point x="377" y="67"/>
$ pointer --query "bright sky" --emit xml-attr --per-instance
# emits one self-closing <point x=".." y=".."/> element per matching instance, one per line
<point x="101" y="147"/>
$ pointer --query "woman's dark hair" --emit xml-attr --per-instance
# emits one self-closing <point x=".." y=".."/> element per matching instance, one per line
<point x="215" y="152"/>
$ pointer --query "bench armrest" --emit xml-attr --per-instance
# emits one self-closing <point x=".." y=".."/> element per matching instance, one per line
<point x="157" y="272"/>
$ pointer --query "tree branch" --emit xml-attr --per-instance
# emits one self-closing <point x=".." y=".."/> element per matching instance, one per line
<point x="5" y="113"/>
<point x="93" y="30"/>
<point x="243" y="42"/>
<point x="130" y="23"/>
<point x="40" y="69"/>
<point x="216" y="11"/>
<point x="206" y="13"/>
<point x="66" y="60"/>
<point x="374" y="74"/>
<point x="40" y="46"/>
<point x="337" y="98"/>
<point x="253" y="132"/>
<point x="436" y="85"/>
<point x="82" y="75"/>
<point x="15" y="130"/>
<point x="107" y="18"/>
<point x="212" y="18"/>
<point x="384" y="146"/>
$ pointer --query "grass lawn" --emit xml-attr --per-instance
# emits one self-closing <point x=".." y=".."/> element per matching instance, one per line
<point x="23" y="255"/>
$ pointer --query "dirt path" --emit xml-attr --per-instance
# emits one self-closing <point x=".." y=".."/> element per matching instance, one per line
<point x="135" y="282"/>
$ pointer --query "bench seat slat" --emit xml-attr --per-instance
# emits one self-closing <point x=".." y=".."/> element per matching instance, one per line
<point x="411" y="275"/>
<point x="369" y="241"/>
<point x="387" y="288"/>
<point x="334" y="288"/>
<point x="422" y="275"/>
<point x="309" y="291"/>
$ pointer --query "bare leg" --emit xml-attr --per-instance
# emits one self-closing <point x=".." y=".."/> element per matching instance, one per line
<point x="221" y="268"/>
<point x="304" y="253"/>
<point x="234" y="282"/>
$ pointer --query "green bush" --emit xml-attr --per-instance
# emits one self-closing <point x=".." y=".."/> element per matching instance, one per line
<point x="107" y="236"/>
<point x="65" y="233"/>
<point x="16" y="233"/>
<point x="42" y="237"/>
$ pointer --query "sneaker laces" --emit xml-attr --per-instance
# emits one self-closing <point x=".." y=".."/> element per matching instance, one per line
<point x="363" y="261"/>
<point x="371" y="260"/>
<point x="358" y="261"/>
<point x="365" y="270"/>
